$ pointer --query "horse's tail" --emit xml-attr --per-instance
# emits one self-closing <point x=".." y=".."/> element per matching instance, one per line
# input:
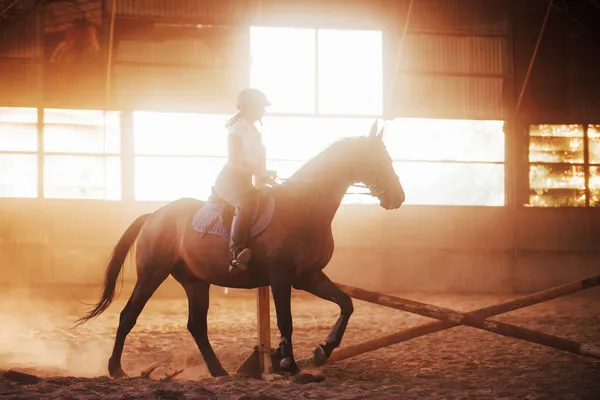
<point x="113" y="270"/>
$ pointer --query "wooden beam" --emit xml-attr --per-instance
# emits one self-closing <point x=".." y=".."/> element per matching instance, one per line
<point x="432" y="327"/>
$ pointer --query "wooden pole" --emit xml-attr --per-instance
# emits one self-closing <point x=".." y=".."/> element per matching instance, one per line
<point x="263" y="303"/>
<point x="432" y="327"/>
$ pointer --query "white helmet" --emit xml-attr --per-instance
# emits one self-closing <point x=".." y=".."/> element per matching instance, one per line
<point x="252" y="98"/>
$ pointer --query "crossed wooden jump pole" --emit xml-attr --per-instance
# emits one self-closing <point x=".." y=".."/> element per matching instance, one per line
<point x="477" y="319"/>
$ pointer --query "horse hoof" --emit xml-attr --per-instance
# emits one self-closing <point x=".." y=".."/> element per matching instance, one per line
<point x="286" y="363"/>
<point x="320" y="356"/>
<point x="118" y="374"/>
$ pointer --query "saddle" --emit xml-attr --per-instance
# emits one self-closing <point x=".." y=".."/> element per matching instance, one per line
<point x="216" y="215"/>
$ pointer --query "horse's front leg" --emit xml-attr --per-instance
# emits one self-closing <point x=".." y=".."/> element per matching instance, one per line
<point x="282" y="297"/>
<point x="321" y="286"/>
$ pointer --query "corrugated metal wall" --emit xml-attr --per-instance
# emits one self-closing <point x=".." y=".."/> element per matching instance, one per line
<point x="456" y="61"/>
<point x="201" y="11"/>
<point x="584" y="80"/>
<point x="202" y="72"/>
<point x="452" y="77"/>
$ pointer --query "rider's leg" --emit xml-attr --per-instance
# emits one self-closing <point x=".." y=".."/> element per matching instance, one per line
<point x="244" y="216"/>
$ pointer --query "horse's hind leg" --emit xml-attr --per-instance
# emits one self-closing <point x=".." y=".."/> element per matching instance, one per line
<point x="321" y="286"/>
<point x="144" y="289"/>
<point x="197" y="292"/>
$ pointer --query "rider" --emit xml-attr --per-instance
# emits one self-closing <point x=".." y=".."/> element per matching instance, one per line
<point x="246" y="158"/>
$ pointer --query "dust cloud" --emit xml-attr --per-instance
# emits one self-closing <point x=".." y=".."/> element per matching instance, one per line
<point x="36" y="336"/>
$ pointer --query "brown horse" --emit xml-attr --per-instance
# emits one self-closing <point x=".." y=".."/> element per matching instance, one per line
<point x="291" y="252"/>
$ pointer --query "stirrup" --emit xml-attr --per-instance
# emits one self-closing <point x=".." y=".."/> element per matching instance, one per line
<point x="241" y="259"/>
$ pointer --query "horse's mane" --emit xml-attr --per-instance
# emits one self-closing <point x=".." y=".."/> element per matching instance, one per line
<point x="332" y="152"/>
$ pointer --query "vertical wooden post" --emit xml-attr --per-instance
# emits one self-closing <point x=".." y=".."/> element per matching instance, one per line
<point x="263" y="319"/>
<point x="260" y="362"/>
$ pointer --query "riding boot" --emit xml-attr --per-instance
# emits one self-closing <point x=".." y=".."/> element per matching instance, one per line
<point x="240" y="230"/>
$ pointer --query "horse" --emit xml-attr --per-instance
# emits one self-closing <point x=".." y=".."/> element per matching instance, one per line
<point x="292" y="251"/>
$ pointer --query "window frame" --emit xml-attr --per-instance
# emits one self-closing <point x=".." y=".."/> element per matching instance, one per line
<point x="317" y="112"/>
<point x="586" y="164"/>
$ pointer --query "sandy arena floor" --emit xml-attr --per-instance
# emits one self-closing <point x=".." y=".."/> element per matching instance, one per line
<point x="456" y="364"/>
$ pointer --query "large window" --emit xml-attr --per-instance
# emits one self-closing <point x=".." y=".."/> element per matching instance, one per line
<point x="318" y="73"/>
<point x="82" y="154"/>
<point x="323" y="71"/>
<point x="18" y="152"/>
<point x="564" y="165"/>
<point x="448" y="162"/>
<point x="177" y="155"/>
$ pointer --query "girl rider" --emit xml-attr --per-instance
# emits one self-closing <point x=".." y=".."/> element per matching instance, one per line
<point x="246" y="158"/>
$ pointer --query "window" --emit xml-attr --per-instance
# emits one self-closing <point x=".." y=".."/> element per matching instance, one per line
<point x="301" y="138"/>
<point x="283" y="66"/>
<point x="308" y="71"/>
<point x="18" y="175"/>
<point x="350" y="72"/>
<point x="170" y="178"/>
<point x="18" y="129"/>
<point x="177" y="155"/>
<point x="344" y="67"/>
<point x="81" y="154"/>
<point x="18" y="152"/>
<point x="448" y="162"/>
<point x="560" y="171"/>
<point x="183" y="134"/>
<point x="79" y="177"/>
<point x="457" y="184"/>
<point x="82" y="131"/>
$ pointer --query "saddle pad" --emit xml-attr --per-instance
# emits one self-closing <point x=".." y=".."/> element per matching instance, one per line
<point x="207" y="220"/>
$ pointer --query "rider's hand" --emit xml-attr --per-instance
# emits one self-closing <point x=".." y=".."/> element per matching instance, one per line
<point x="269" y="176"/>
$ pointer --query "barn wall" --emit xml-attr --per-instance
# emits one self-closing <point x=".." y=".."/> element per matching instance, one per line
<point x="455" y="62"/>
<point x="462" y="249"/>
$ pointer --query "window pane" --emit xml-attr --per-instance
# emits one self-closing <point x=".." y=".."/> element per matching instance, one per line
<point x="302" y="138"/>
<point x="556" y="143"/>
<point x="171" y="178"/>
<point x="595" y="186"/>
<point x="556" y="185"/>
<point x="350" y="72"/>
<point x="18" y="130"/>
<point x="18" y="175"/>
<point x="78" y="177"/>
<point x="444" y="139"/>
<point x="557" y="198"/>
<point x="452" y="183"/>
<point x="594" y="143"/>
<point x="181" y="134"/>
<point x="82" y="131"/>
<point x="558" y="176"/>
<point x="283" y="66"/>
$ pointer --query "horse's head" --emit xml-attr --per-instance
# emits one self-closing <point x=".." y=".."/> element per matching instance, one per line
<point x="376" y="171"/>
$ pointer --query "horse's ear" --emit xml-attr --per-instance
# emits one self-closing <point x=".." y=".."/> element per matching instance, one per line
<point x="373" y="132"/>
<point x="380" y="134"/>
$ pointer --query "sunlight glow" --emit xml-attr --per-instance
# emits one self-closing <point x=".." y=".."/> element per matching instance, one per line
<point x="324" y="84"/>
<point x="283" y="65"/>
<point x="18" y="129"/>
<point x="557" y="172"/>
<point x="82" y="131"/>
<point x="350" y="69"/>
